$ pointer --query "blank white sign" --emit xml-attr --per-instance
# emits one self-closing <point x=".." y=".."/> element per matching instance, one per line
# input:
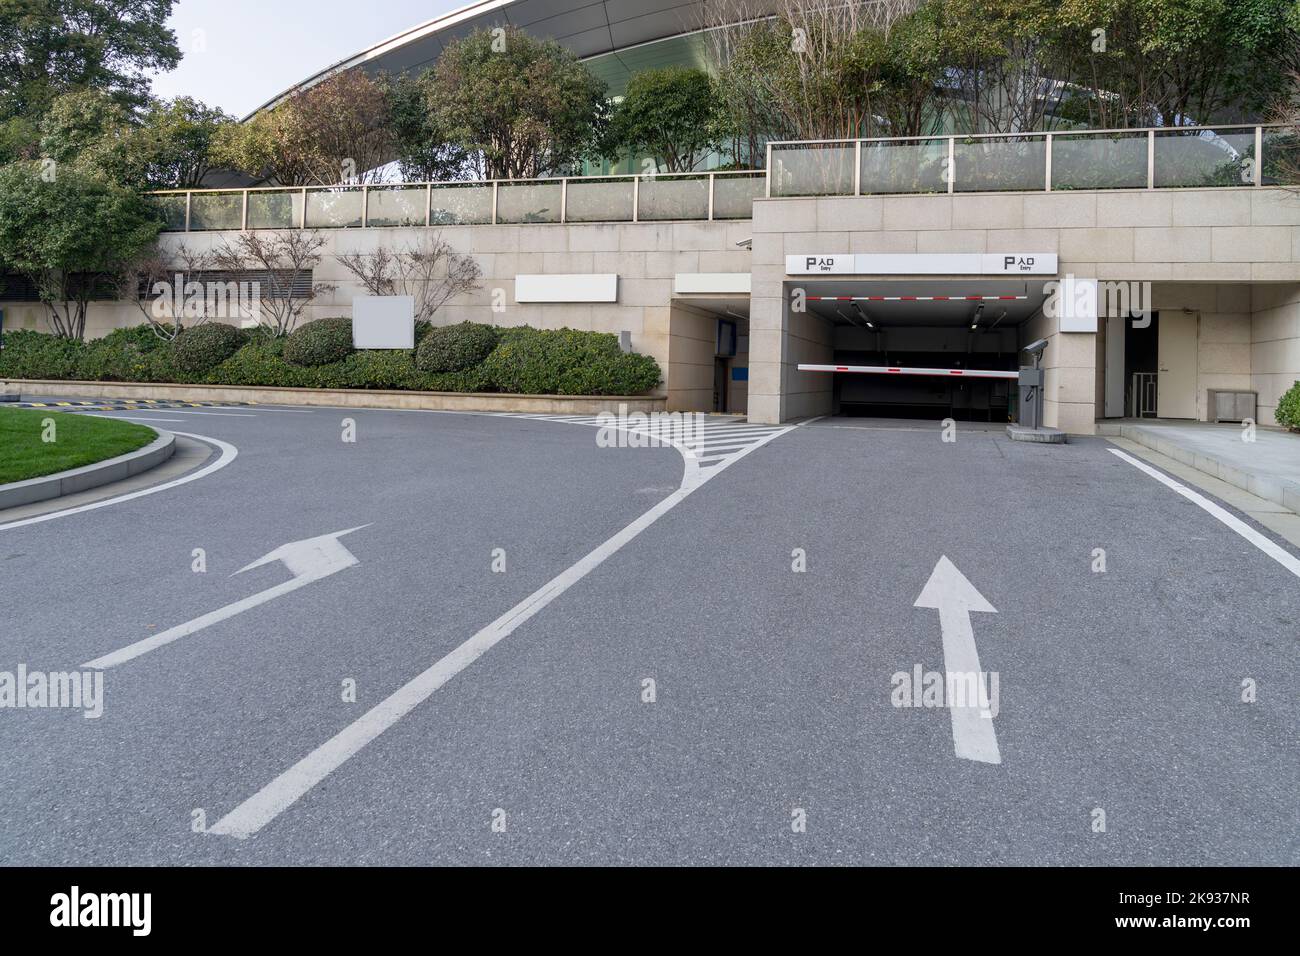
<point x="383" y="322"/>
<point x="584" y="287"/>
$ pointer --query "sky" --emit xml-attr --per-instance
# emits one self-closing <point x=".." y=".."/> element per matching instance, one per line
<point x="240" y="53"/>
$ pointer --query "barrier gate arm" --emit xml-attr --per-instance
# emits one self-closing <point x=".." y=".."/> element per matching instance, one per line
<point x="899" y="370"/>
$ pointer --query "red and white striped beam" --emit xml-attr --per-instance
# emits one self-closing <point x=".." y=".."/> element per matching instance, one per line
<point x="916" y="298"/>
<point x="891" y="370"/>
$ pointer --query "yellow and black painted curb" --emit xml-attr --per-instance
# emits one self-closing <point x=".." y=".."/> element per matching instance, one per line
<point x="124" y="404"/>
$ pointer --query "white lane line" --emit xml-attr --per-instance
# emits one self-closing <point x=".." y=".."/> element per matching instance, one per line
<point x="286" y="789"/>
<point x="186" y="411"/>
<point x="1274" y="551"/>
<point x="228" y="454"/>
<point x="137" y="418"/>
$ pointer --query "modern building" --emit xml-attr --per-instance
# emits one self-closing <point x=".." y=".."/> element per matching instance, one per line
<point x="882" y="277"/>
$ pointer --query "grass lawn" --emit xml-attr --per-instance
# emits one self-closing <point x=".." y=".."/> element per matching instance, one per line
<point x="78" y="440"/>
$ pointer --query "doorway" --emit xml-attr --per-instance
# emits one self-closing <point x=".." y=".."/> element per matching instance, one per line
<point x="1176" y="376"/>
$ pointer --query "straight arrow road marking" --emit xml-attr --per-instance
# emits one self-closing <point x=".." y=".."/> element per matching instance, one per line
<point x="955" y="598"/>
<point x="308" y="561"/>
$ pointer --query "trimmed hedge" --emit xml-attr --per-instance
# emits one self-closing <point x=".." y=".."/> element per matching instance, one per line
<point x="321" y="342"/>
<point x="1287" y="412"/>
<point x="567" y="362"/>
<point x="455" y="348"/>
<point x="531" y="361"/>
<point x="199" y="349"/>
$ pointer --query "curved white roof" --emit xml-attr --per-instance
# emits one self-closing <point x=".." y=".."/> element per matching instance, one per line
<point x="590" y="28"/>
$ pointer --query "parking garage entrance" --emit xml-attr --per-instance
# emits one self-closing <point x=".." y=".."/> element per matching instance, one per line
<point x="924" y="349"/>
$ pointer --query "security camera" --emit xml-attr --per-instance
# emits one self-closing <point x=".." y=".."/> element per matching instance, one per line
<point x="1036" y="348"/>
<point x="746" y="243"/>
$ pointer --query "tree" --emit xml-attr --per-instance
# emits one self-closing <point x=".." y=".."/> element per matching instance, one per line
<point x="67" y="230"/>
<point x="270" y="145"/>
<point x="425" y="152"/>
<point x="86" y="124"/>
<point x="172" y="146"/>
<point x="818" y="70"/>
<point x="670" y="114"/>
<point x="167" y="147"/>
<point x="51" y="47"/>
<point x="277" y="262"/>
<point x="1010" y="61"/>
<point x="336" y="131"/>
<point x="1176" y="62"/>
<point x="429" y="271"/>
<point x="525" y="107"/>
<point x="140" y="281"/>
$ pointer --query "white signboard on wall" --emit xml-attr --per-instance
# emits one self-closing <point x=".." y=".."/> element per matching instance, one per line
<point x="839" y="264"/>
<point x="579" y="287"/>
<point x="1073" y="303"/>
<point x="926" y="264"/>
<point x="383" y="322"/>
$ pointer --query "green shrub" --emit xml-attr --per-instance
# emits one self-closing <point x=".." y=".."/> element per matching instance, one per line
<point x="319" y="343"/>
<point x="567" y="362"/>
<point x="455" y="348"/>
<point x="563" y="362"/>
<point x="1287" y="412"/>
<point x="261" y="362"/>
<point x="121" y="356"/>
<point x="197" y="350"/>
<point x="31" y="354"/>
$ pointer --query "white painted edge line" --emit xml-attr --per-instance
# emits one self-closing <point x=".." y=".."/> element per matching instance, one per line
<point x="228" y="454"/>
<point x="137" y="418"/>
<point x="1273" y="550"/>
<point x="186" y="411"/>
<point x="291" y="785"/>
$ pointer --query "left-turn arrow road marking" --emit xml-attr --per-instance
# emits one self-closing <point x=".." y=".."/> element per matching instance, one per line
<point x="309" y="560"/>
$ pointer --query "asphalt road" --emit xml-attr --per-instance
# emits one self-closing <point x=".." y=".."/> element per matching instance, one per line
<point x="1119" y="691"/>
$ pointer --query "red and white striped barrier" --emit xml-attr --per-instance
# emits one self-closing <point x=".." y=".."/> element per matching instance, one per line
<point x="892" y="370"/>
<point x="917" y="298"/>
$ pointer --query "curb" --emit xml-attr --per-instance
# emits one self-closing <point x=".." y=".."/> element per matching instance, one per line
<point x="347" y="397"/>
<point x="89" y="476"/>
<point x="1277" y="490"/>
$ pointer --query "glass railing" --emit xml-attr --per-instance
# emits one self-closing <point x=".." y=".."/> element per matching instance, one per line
<point x="1182" y="157"/>
<point x="652" y="197"/>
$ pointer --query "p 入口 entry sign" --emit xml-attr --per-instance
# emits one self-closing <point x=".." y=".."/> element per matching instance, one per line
<point x="942" y="263"/>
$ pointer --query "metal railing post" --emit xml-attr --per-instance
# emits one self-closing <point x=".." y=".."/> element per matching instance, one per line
<point x="1047" y="185"/>
<point x="768" y="193"/>
<point x="302" y="216"/>
<point x="243" y="215"/>
<point x="365" y="206"/>
<point x="564" y="200"/>
<point x="636" y="197"/>
<point x="857" y="167"/>
<point x="1151" y="159"/>
<point x="712" y="185"/>
<point x="1259" y="156"/>
<point x="495" y="184"/>
<point x="428" y="204"/>
<point x="952" y="164"/>
<point x="188" y="197"/>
